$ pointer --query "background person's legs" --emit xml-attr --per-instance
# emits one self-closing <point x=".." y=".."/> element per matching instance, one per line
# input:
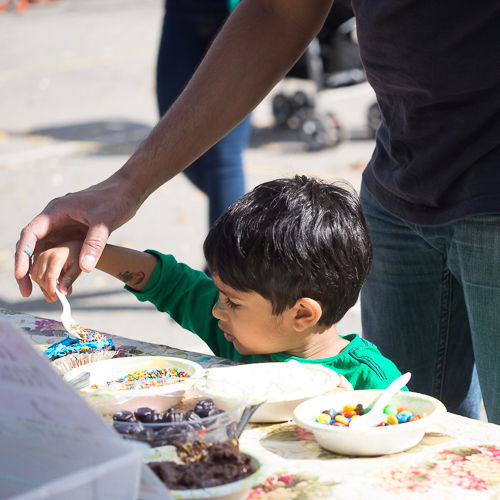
<point x="474" y="257"/>
<point x="222" y="170"/>
<point x="413" y="309"/>
<point x="219" y="172"/>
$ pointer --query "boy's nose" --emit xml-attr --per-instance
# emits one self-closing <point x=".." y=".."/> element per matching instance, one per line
<point x="219" y="311"/>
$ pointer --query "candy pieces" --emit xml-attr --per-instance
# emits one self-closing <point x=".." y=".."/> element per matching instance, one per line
<point x="390" y="410"/>
<point x="324" y="418"/>
<point x="404" y="416"/>
<point x="392" y="420"/>
<point x="394" y="416"/>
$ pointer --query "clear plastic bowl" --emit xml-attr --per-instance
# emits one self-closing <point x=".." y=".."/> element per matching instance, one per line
<point x="182" y="395"/>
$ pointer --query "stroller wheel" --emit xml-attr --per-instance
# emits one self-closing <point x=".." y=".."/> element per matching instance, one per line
<point x="300" y="100"/>
<point x="320" y="132"/>
<point x="282" y="109"/>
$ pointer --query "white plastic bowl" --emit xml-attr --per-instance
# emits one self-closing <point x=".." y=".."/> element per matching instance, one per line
<point x="237" y="490"/>
<point x="375" y="440"/>
<point x="116" y="368"/>
<point x="279" y="406"/>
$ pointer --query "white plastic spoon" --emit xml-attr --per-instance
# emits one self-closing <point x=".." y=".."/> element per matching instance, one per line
<point x="66" y="319"/>
<point x="376" y="415"/>
<point x="80" y="381"/>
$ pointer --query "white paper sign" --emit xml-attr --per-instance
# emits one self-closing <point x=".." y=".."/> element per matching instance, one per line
<point x="30" y="389"/>
<point x="52" y="444"/>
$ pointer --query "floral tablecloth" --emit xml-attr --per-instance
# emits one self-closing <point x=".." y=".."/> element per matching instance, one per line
<point x="458" y="458"/>
<point x="43" y="332"/>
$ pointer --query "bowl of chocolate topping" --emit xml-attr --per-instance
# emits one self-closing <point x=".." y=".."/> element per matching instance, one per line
<point x="218" y="470"/>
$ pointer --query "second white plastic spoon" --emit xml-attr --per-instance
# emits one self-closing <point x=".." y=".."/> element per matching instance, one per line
<point x="376" y="415"/>
<point x="68" y="322"/>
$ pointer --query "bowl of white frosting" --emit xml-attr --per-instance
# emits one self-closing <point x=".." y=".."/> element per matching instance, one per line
<point x="283" y="386"/>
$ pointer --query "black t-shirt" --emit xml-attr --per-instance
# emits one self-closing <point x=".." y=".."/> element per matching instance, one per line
<point x="197" y="7"/>
<point x="435" y="67"/>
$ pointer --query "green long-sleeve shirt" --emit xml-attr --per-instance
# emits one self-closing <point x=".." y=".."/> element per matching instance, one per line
<point x="188" y="296"/>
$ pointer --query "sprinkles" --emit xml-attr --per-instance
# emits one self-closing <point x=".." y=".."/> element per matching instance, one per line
<point x="148" y="378"/>
<point x="87" y="335"/>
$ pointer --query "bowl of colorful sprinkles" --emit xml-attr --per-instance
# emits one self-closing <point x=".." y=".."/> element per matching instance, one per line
<point x="139" y="377"/>
<point x="180" y="414"/>
<point x="408" y="415"/>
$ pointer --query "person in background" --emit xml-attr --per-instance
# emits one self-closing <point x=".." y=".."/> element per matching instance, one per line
<point x="431" y="192"/>
<point x="189" y="27"/>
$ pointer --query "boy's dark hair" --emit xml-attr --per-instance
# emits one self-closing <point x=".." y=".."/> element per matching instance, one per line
<point x="294" y="238"/>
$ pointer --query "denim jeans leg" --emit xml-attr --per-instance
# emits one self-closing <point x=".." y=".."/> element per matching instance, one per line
<point x="474" y="257"/>
<point x="219" y="172"/>
<point x="224" y="180"/>
<point x="411" y="303"/>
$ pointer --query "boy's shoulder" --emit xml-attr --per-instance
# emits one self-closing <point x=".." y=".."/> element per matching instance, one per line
<point x="363" y="364"/>
<point x="364" y="352"/>
<point x="360" y="362"/>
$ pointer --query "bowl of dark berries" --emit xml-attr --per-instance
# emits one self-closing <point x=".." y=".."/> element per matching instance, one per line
<point x="173" y="417"/>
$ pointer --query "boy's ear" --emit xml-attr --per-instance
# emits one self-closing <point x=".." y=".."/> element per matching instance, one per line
<point x="306" y="313"/>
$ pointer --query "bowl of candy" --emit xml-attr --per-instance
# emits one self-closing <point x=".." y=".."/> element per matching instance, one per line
<point x="281" y="385"/>
<point x="181" y="413"/>
<point x="407" y="416"/>
<point x="217" y="470"/>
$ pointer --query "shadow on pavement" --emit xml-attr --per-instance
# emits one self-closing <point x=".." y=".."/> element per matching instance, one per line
<point x="112" y="137"/>
<point x="78" y="303"/>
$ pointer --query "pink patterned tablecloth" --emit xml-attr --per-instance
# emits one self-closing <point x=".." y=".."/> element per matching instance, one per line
<point x="458" y="458"/>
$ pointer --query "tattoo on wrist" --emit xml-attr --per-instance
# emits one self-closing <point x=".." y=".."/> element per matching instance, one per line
<point x="132" y="279"/>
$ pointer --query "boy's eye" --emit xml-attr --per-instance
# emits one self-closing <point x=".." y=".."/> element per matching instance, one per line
<point x="231" y="304"/>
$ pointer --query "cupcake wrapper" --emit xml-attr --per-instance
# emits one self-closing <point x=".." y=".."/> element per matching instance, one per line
<point x="65" y="364"/>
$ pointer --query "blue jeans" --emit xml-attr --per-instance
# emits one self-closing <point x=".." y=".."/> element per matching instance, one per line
<point x="431" y="304"/>
<point x="219" y="172"/>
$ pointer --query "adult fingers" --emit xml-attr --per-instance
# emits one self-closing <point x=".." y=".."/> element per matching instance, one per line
<point x="93" y="246"/>
<point x="36" y="230"/>
<point x="345" y="384"/>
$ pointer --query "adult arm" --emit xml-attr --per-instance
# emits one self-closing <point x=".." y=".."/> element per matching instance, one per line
<point x="258" y="44"/>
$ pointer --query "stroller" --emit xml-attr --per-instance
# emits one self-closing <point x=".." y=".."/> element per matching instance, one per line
<point x="331" y="61"/>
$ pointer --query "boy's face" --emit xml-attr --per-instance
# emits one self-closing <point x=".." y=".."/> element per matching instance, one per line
<point x="247" y="320"/>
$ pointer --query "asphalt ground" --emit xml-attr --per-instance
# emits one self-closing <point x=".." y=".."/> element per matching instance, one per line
<point x="77" y="97"/>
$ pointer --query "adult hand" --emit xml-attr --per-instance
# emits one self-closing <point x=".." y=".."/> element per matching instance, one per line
<point x="92" y="214"/>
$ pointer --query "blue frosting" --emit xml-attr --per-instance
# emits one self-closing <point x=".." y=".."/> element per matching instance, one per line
<point x="71" y="346"/>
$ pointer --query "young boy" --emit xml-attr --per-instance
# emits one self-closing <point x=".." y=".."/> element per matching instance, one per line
<point x="288" y="260"/>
